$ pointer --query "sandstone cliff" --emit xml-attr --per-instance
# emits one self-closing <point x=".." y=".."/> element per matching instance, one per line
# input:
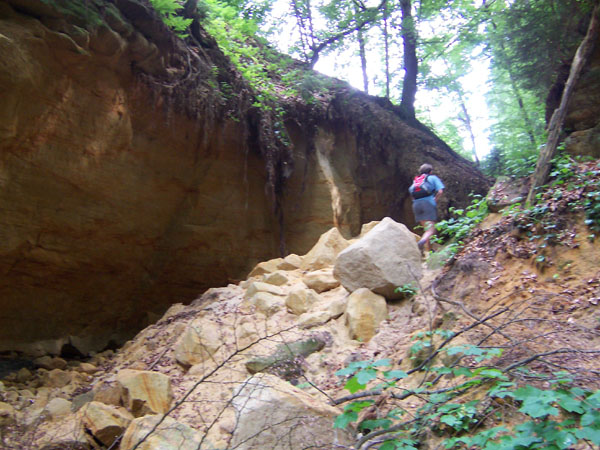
<point x="129" y="181"/>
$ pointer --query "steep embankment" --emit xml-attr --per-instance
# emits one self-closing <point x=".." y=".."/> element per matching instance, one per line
<point x="130" y="181"/>
<point x="292" y="320"/>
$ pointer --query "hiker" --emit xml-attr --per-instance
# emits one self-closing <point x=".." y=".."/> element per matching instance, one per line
<point x="425" y="191"/>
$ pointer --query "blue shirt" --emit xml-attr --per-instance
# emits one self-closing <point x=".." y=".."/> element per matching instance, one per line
<point x="437" y="186"/>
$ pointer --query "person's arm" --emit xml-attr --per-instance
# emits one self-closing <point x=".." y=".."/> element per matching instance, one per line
<point x="438" y="194"/>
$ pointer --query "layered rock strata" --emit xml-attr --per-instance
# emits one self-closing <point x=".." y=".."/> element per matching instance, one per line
<point x="121" y="192"/>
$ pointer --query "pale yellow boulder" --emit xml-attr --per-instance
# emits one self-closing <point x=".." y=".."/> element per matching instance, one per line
<point x="145" y="392"/>
<point x="385" y="258"/>
<point x="169" y="435"/>
<point x="198" y="343"/>
<point x="337" y="307"/>
<point x="278" y="278"/>
<point x="107" y="392"/>
<point x="300" y="299"/>
<point x="325" y="251"/>
<point x="313" y="319"/>
<point x="57" y="408"/>
<point x="87" y="368"/>
<point x="57" y="378"/>
<point x="259" y="286"/>
<point x="7" y="414"/>
<point x="49" y="362"/>
<point x="290" y="262"/>
<point x="267" y="303"/>
<point x="321" y="280"/>
<point x="265" y="267"/>
<point x="364" y="312"/>
<point x="105" y="422"/>
<point x="275" y="415"/>
<point x="24" y="375"/>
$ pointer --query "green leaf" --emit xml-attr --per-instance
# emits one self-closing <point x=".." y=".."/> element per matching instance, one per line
<point x="374" y="424"/>
<point x="388" y="445"/>
<point x="395" y="374"/>
<point x="364" y="376"/>
<point x="353" y="385"/>
<point x="590" y="434"/>
<point x="344" y="419"/>
<point x="536" y="403"/>
<point x="382" y="362"/>
<point x="591" y="418"/>
<point x="569" y="403"/>
<point x="358" y="406"/>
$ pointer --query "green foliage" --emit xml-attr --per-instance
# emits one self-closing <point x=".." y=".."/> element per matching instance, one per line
<point x="407" y="290"/>
<point x="538" y="221"/>
<point x="554" y="418"/>
<point x="168" y="11"/>
<point x="458" y="227"/>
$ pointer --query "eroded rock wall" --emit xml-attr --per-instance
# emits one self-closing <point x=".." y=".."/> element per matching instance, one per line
<point x="116" y="204"/>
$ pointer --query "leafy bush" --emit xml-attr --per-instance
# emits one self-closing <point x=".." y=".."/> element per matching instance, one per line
<point x="168" y="9"/>
<point x="555" y="418"/>
<point x="458" y="227"/>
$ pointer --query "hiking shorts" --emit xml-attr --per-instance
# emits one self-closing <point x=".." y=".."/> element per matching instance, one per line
<point x="425" y="209"/>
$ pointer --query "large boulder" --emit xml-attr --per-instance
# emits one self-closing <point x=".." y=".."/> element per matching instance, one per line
<point x="387" y="257"/>
<point x="275" y="415"/>
<point x="301" y="299"/>
<point x="198" y="343"/>
<point x="105" y="422"/>
<point x="325" y="251"/>
<point x="145" y="433"/>
<point x="145" y="392"/>
<point x="364" y="312"/>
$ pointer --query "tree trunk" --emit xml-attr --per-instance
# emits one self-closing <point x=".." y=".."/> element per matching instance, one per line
<point x="409" y="37"/>
<point x="363" y="56"/>
<point x="467" y="121"/>
<point x="554" y="127"/>
<point x="386" y="40"/>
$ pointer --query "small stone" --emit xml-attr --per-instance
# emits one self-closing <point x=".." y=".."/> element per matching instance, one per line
<point x="108" y="393"/>
<point x="87" y="368"/>
<point x="145" y="392"/>
<point x="11" y="396"/>
<point x="265" y="267"/>
<point x="7" y="414"/>
<point x="300" y="299"/>
<point x="266" y="303"/>
<point x="58" y="407"/>
<point x="57" y="378"/>
<point x="81" y="400"/>
<point x="364" y="312"/>
<point x="313" y="319"/>
<point x="337" y="307"/>
<point x="259" y="286"/>
<point x="321" y="280"/>
<point x="23" y="375"/>
<point x="106" y="423"/>
<point x="325" y="251"/>
<point x="290" y="262"/>
<point x="49" y="363"/>
<point x="278" y="278"/>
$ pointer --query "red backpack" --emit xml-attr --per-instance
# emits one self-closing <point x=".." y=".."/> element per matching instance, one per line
<point x="421" y="187"/>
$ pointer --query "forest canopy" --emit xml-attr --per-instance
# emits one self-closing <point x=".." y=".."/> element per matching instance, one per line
<point x="405" y="47"/>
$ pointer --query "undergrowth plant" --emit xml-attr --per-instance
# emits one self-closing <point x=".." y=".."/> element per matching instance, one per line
<point x="462" y="223"/>
<point x="168" y="11"/>
<point x="463" y="413"/>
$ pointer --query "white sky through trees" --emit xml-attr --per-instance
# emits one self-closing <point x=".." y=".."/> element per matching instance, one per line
<point x="432" y="106"/>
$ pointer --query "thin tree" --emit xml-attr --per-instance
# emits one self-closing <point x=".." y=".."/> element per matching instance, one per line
<point x="411" y="65"/>
<point x="558" y="117"/>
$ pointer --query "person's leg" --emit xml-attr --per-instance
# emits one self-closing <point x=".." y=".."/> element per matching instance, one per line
<point x="429" y="228"/>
